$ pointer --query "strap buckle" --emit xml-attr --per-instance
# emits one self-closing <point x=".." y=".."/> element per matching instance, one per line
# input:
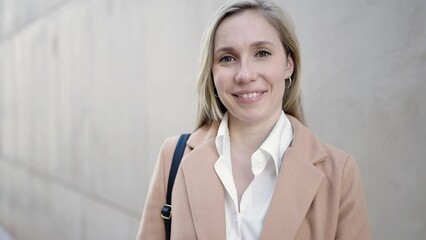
<point x="166" y="212"/>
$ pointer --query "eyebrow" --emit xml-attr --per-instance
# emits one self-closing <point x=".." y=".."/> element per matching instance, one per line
<point x="255" y="44"/>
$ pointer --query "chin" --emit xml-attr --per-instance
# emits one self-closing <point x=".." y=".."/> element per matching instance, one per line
<point x="252" y="117"/>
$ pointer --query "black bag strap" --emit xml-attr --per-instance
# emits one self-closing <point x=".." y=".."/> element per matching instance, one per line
<point x="166" y="211"/>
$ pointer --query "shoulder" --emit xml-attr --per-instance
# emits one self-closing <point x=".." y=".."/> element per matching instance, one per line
<point x="167" y="150"/>
<point x="169" y="144"/>
<point x="320" y="151"/>
<point x="336" y="155"/>
<point x="332" y="161"/>
<point x="339" y="167"/>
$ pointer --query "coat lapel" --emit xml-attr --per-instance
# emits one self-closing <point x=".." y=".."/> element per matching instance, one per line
<point x="205" y="190"/>
<point x="297" y="185"/>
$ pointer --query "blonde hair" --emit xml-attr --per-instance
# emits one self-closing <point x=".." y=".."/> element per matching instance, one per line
<point x="210" y="108"/>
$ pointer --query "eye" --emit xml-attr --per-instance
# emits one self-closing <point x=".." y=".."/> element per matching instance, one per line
<point x="226" y="59"/>
<point x="263" y="53"/>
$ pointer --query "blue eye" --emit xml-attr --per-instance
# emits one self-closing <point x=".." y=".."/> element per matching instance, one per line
<point x="263" y="53"/>
<point x="226" y="59"/>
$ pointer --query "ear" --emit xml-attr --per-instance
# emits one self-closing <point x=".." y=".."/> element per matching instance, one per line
<point x="289" y="66"/>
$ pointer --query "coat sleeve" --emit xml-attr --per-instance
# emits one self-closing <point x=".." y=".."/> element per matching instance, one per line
<point x="152" y="225"/>
<point x="353" y="223"/>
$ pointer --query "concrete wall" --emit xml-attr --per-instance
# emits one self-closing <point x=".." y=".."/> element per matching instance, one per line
<point x="89" y="90"/>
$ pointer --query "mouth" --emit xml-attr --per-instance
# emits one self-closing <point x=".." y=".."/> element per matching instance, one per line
<point x="249" y="95"/>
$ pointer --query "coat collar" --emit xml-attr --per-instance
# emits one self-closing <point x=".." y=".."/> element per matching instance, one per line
<point x="203" y="135"/>
<point x="297" y="185"/>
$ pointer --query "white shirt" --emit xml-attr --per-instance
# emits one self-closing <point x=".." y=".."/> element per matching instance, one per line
<point x="266" y="161"/>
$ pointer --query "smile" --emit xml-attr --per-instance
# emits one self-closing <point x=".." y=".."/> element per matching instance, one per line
<point x="249" y="95"/>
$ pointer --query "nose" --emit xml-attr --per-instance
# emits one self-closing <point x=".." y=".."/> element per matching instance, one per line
<point x="245" y="72"/>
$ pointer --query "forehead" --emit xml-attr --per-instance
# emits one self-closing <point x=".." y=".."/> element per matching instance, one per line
<point x="245" y="27"/>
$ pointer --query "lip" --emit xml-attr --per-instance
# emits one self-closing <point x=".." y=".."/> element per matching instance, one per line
<point x="248" y="96"/>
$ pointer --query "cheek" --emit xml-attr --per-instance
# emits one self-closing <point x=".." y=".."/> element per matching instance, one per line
<point x="219" y="80"/>
<point x="277" y="75"/>
<point x="280" y="89"/>
<point x="277" y="80"/>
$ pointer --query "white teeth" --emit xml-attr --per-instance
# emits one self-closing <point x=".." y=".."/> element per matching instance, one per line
<point x="249" y="95"/>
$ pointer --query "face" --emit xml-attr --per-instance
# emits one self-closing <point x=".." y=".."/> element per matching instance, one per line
<point x="249" y="68"/>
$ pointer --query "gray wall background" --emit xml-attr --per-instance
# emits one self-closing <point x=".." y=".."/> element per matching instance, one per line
<point x="89" y="90"/>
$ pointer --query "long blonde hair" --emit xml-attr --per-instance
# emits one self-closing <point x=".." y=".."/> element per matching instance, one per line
<point x="210" y="108"/>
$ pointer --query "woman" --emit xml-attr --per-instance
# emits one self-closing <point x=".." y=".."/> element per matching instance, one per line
<point x="252" y="170"/>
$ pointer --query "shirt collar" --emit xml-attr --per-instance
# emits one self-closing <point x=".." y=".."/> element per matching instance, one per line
<point x="222" y="138"/>
<point x="275" y="144"/>
<point x="278" y="140"/>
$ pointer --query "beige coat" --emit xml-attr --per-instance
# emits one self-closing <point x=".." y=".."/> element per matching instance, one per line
<point x="319" y="193"/>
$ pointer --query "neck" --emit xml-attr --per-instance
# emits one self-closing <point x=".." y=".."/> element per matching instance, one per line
<point x="248" y="137"/>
